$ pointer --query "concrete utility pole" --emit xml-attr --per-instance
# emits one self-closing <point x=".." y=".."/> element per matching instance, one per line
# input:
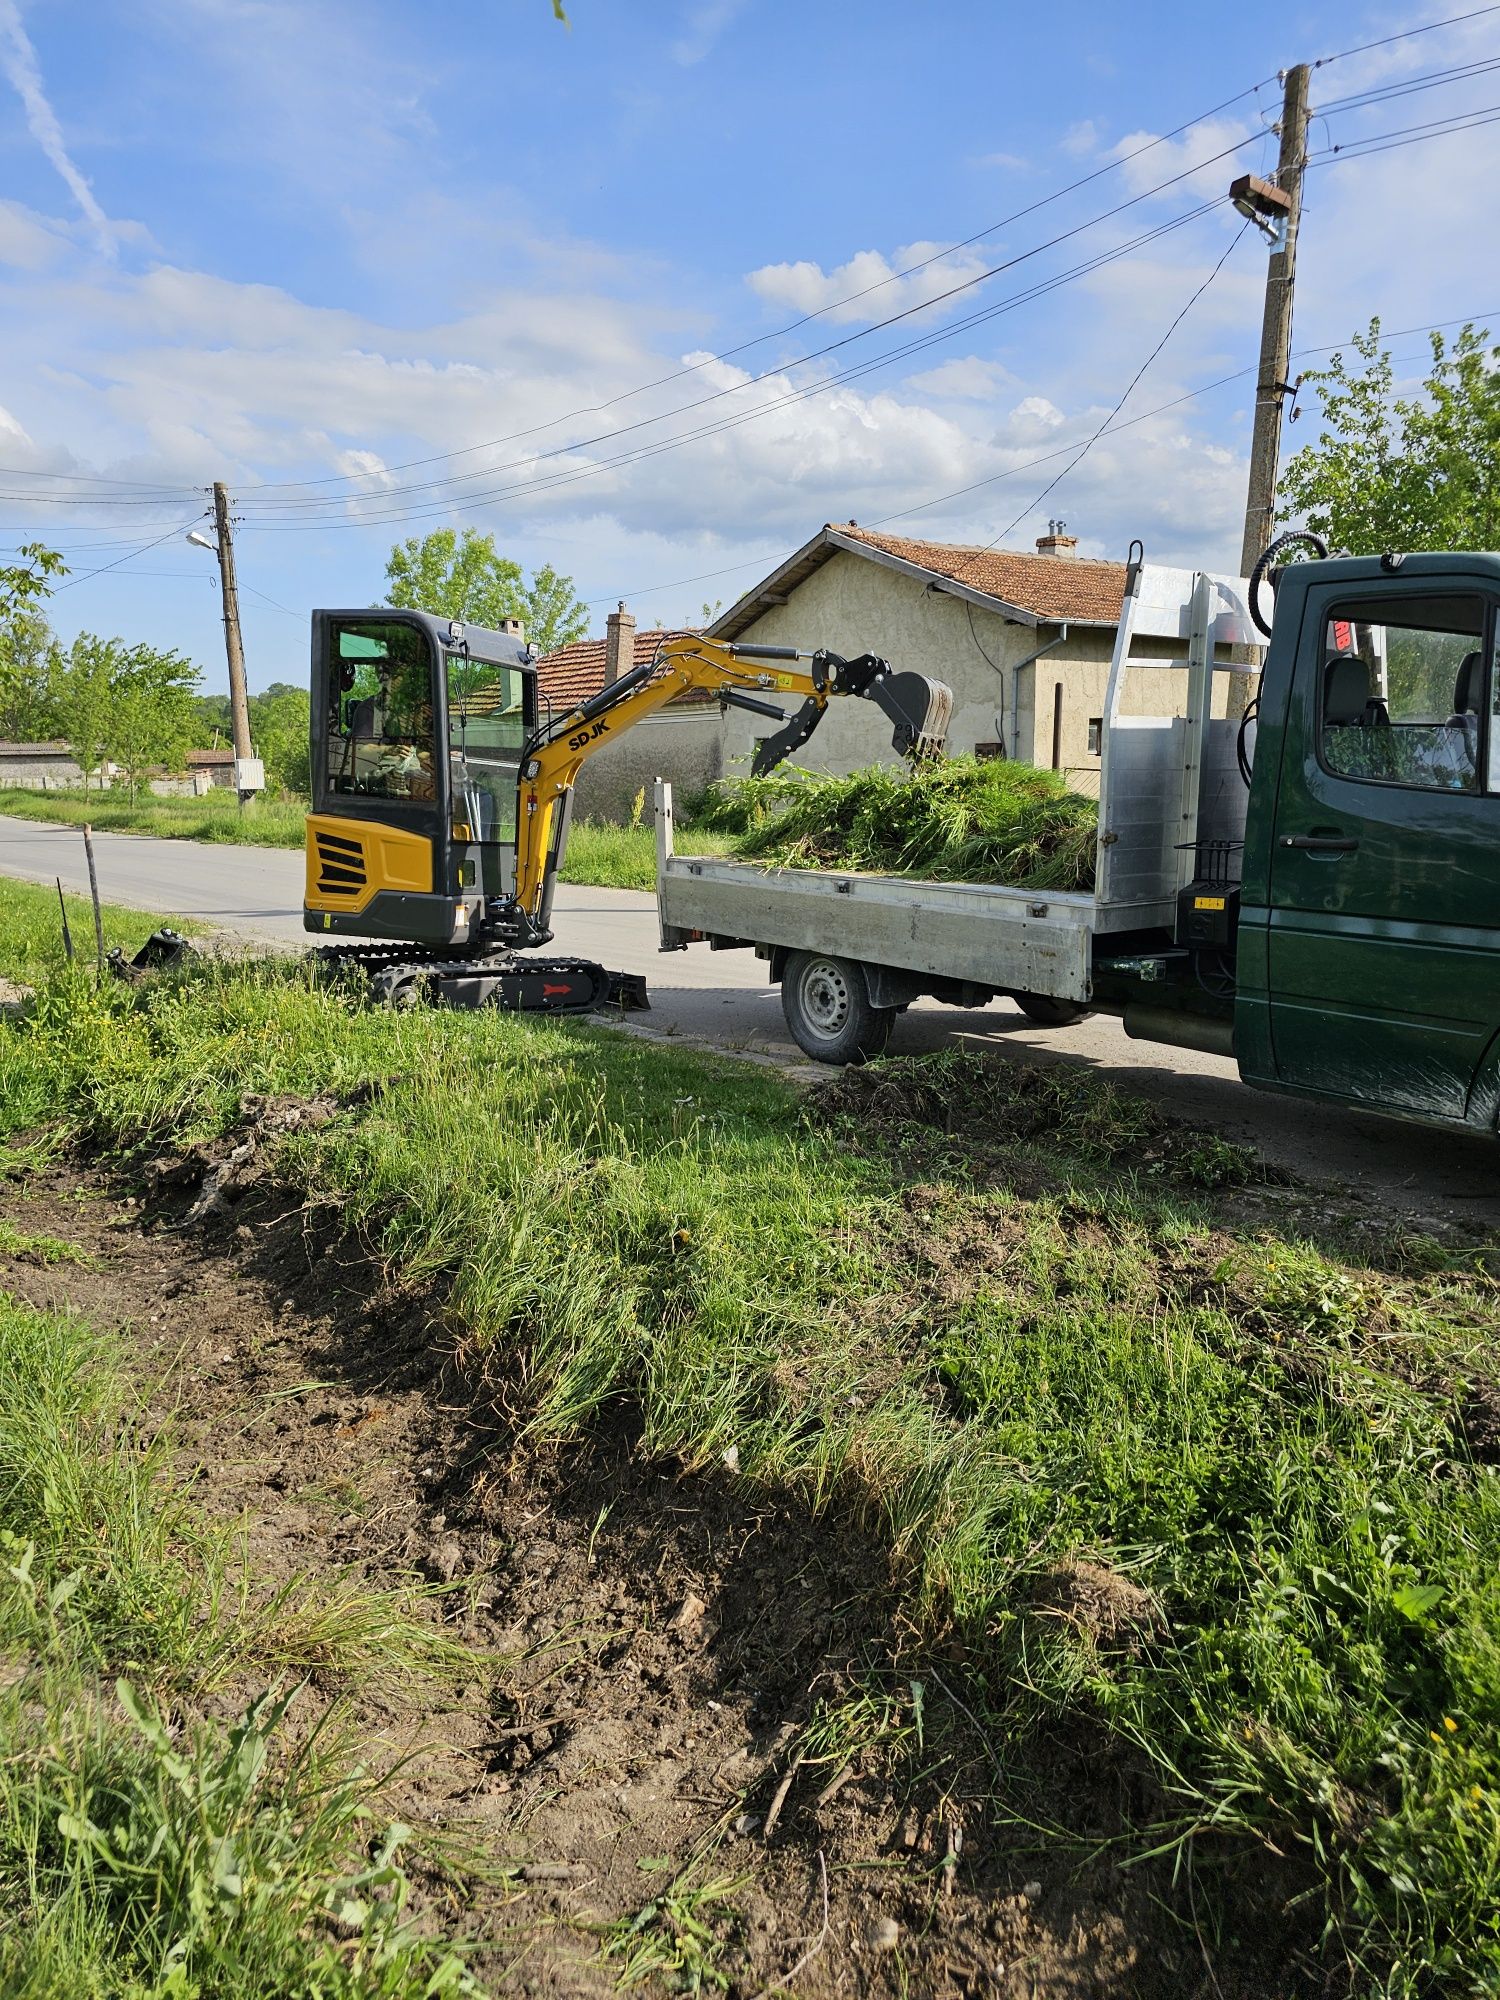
<point x="1276" y="326"/>
<point x="239" y="712"/>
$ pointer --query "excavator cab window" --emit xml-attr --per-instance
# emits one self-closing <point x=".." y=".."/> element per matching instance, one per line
<point x="382" y="740"/>
<point x="487" y="726"/>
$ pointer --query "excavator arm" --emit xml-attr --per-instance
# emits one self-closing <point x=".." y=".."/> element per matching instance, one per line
<point x="742" y="676"/>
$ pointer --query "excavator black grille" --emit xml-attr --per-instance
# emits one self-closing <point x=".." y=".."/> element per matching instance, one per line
<point x="341" y="865"/>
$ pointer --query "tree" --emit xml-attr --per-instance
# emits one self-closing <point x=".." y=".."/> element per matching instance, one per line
<point x="554" y="614"/>
<point x="84" y="696"/>
<point x="151" y="711"/>
<point x="29" y="659"/>
<point x="279" y="729"/>
<point x="466" y="577"/>
<point x="30" y="663"/>
<point x="1391" y="472"/>
<point x="129" y="704"/>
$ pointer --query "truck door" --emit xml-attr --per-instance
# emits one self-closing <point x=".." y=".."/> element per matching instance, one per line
<point x="1384" y="936"/>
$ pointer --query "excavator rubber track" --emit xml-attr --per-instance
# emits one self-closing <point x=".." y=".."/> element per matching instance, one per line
<point x="398" y="976"/>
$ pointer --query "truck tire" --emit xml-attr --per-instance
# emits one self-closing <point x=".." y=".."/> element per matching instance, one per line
<point x="1050" y="1013"/>
<point x="827" y="1007"/>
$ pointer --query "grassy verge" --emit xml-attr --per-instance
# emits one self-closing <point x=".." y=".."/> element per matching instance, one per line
<point x="146" y="1856"/>
<point x="1225" y="1493"/>
<point x="216" y="816"/>
<point x="31" y="943"/>
<point x="599" y="855"/>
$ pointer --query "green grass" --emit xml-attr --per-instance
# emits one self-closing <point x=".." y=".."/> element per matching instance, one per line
<point x="599" y="855"/>
<point x="265" y="822"/>
<point x="990" y="1316"/>
<point x="31" y="945"/>
<point x="145" y="1858"/>
<point x="602" y="856"/>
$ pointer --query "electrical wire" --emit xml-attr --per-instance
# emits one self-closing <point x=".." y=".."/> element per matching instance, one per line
<point x="83" y="575"/>
<point x="531" y="487"/>
<point x="1408" y="87"/>
<point x="1405" y="35"/>
<point x="1410" y="135"/>
<point x="1130" y="388"/>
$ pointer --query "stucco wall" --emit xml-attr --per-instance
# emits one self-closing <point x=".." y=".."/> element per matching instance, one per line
<point x="853" y="605"/>
<point x="683" y="747"/>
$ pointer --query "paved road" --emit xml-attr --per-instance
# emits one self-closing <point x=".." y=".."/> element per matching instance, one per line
<point x="722" y="997"/>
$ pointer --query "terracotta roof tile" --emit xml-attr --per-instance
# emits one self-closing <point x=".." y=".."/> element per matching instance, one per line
<point x="1051" y="587"/>
<point x="572" y="673"/>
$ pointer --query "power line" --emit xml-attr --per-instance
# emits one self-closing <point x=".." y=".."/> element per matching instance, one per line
<point x="1407" y="135"/>
<point x="821" y="312"/>
<point x="1130" y="389"/>
<point x="1405" y="35"/>
<point x="1433" y="80"/>
<point x="83" y="575"/>
<point x="817" y="354"/>
<point x="636" y="454"/>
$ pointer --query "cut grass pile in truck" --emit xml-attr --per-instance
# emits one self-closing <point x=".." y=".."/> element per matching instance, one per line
<point x="1210" y="1485"/>
<point x="953" y="821"/>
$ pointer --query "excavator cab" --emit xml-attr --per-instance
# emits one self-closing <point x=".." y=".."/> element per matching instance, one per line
<point x="418" y="728"/>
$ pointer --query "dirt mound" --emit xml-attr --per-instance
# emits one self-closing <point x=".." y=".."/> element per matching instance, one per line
<point x="988" y="1103"/>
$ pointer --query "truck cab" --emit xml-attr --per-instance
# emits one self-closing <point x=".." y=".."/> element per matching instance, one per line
<point x="1368" y="949"/>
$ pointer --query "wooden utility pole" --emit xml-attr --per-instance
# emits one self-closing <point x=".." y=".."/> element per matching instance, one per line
<point x="239" y="711"/>
<point x="1276" y="326"/>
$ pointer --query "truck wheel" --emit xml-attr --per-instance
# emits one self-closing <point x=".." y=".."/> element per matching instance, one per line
<point x="827" y="1007"/>
<point x="1047" y="1012"/>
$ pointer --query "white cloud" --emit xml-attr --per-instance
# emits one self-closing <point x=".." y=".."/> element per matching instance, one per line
<point x="963" y="379"/>
<point x="868" y="282"/>
<point x="1200" y="155"/>
<point x="1080" y="139"/>
<point x="1037" y="412"/>
<point x="1013" y="162"/>
<point x="701" y="28"/>
<point x="18" y="59"/>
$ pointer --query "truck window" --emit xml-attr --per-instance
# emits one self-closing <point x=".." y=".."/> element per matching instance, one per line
<point x="1405" y="692"/>
<point x="1494" y="772"/>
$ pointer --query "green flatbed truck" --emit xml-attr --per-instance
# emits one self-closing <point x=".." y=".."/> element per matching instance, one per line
<point x="1312" y="888"/>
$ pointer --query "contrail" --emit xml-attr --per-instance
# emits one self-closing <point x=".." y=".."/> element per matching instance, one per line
<point x="18" y="58"/>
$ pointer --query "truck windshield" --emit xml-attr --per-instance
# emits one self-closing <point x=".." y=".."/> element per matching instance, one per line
<point x="486" y="731"/>
<point x="382" y="741"/>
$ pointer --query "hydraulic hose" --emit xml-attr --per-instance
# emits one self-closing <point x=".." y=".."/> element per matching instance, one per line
<point x="1267" y="557"/>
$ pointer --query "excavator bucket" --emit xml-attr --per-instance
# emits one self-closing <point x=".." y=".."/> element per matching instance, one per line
<point x="919" y="710"/>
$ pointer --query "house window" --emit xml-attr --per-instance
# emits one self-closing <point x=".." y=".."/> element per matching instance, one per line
<point x="1096" y="735"/>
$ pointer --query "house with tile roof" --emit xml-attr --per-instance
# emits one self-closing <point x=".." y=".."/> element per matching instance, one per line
<point x="1024" y="640"/>
<point x="681" y="742"/>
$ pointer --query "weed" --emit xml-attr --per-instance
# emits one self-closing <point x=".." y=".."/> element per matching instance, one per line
<point x="171" y="1862"/>
<point x="41" y="1249"/>
<point x="681" y="1936"/>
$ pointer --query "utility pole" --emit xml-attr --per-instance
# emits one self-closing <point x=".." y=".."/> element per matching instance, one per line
<point x="1276" y="326"/>
<point x="239" y="712"/>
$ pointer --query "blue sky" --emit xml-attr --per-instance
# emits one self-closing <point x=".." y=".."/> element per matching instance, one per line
<point x="298" y="244"/>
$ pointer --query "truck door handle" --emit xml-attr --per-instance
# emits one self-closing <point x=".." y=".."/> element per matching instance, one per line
<point x="1320" y="843"/>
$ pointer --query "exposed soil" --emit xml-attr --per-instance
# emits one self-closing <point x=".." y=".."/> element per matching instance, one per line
<point x="661" y="1641"/>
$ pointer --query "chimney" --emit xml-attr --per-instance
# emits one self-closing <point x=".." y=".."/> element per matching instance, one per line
<point x="1055" y="542"/>
<point x="619" y="644"/>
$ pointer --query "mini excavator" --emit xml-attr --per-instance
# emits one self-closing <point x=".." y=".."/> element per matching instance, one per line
<point x="442" y="791"/>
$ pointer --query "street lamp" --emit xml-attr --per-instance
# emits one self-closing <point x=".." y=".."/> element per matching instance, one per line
<point x="201" y="541"/>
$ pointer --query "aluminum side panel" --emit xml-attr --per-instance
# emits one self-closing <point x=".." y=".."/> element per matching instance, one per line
<point x="1003" y="938"/>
